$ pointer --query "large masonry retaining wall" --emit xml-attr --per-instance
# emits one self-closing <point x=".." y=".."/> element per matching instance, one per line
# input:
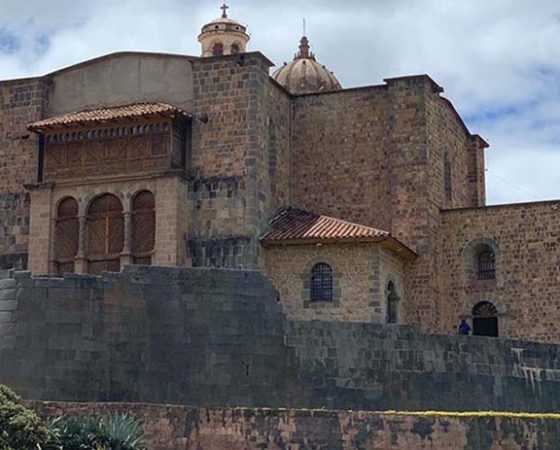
<point x="209" y="337"/>
<point x="174" y="427"/>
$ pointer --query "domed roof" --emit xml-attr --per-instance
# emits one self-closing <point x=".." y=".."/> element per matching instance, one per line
<point x="304" y="75"/>
<point x="224" y="23"/>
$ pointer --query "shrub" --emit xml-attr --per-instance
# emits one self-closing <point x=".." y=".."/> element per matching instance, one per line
<point x="20" y="427"/>
<point x="106" y="432"/>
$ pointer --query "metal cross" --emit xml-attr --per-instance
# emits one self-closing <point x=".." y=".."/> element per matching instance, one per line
<point x="224" y="8"/>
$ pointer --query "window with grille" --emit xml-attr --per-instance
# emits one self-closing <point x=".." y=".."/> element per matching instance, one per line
<point x="67" y="231"/>
<point x="486" y="264"/>
<point x="105" y="234"/>
<point x="143" y="228"/>
<point x="321" y="283"/>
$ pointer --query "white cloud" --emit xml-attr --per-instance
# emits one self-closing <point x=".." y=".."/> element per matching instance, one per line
<point x="499" y="60"/>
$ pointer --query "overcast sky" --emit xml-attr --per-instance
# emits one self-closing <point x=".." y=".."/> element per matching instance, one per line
<point x="498" y="60"/>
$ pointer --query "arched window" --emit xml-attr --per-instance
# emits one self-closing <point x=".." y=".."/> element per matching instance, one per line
<point x="485" y="319"/>
<point x="66" y="235"/>
<point x="143" y="228"/>
<point x="486" y="263"/>
<point x="105" y="234"/>
<point x="392" y="303"/>
<point x="235" y="48"/>
<point x="321" y="283"/>
<point x="217" y="49"/>
<point x="447" y="181"/>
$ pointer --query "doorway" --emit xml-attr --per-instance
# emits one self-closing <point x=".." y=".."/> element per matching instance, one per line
<point x="485" y="319"/>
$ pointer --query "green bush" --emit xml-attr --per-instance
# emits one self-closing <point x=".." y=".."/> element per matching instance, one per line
<point x="106" y="432"/>
<point x="20" y="427"/>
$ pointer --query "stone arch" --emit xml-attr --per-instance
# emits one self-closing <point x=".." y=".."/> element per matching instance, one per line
<point x="217" y="48"/>
<point x="306" y="280"/>
<point x="485" y="319"/>
<point x="66" y="234"/>
<point x="105" y="233"/>
<point x="392" y="300"/>
<point x="471" y="259"/>
<point x="143" y="227"/>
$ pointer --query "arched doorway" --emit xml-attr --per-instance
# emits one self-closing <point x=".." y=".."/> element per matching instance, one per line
<point x="105" y="234"/>
<point x="392" y="303"/>
<point x="485" y="319"/>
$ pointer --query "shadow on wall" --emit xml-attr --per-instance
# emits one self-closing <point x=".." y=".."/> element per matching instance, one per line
<point x="210" y="337"/>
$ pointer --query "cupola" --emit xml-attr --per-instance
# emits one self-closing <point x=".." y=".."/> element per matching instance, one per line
<point x="223" y="36"/>
<point x="304" y="75"/>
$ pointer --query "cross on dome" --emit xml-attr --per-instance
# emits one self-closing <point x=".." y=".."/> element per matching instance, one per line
<point x="224" y="9"/>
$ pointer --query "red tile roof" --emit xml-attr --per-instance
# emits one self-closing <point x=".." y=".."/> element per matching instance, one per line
<point x="102" y="115"/>
<point x="296" y="226"/>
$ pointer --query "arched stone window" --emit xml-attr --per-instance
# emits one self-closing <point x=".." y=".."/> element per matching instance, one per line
<point x="485" y="319"/>
<point x="217" y="49"/>
<point x="485" y="263"/>
<point x="143" y="228"/>
<point x="392" y="303"/>
<point x="447" y="180"/>
<point x="321" y="287"/>
<point x="66" y="235"/>
<point x="483" y="260"/>
<point x="235" y="48"/>
<point x="105" y="234"/>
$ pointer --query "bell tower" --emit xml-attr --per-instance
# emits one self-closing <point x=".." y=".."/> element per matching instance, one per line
<point x="223" y="36"/>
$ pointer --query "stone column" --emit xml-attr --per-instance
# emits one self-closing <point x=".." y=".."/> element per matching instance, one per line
<point x="126" y="257"/>
<point x="80" y="264"/>
<point x="40" y="231"/>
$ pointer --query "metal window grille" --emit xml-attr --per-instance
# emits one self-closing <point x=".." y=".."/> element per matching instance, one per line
<point x="486" y="269"/>
<point x="484" y="310"/>
<point x="321" y="283"/>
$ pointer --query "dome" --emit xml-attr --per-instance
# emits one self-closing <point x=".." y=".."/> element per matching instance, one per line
<point x="304" y="75"/>
<point x="223" y="36"/>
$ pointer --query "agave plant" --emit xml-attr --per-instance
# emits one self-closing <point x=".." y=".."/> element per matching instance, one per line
<point x="104" y="432"/>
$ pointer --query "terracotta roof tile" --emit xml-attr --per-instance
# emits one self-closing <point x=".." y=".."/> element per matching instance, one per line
<point x="101" y="115"/>
<point x="296" y="226"/>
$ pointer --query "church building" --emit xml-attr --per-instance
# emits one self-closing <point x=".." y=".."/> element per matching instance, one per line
<point x="362" y="204"/>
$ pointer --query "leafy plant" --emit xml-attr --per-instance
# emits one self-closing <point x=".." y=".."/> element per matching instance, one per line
<point x="105" y="432"/>
<point x="20" y="427"/>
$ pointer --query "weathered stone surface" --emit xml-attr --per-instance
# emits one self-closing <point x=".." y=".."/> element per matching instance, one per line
<point x="182" y="427"/>
<point x="212" y="337"/>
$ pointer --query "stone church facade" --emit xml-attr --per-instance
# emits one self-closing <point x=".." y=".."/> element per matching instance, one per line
<point x="364" y="204"/>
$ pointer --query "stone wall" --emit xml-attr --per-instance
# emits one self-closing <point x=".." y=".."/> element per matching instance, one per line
<point x="526" y="291"/>
<point x="21" y="102"/>
<point x="14" y="230"/>
<point x="181" y="428"/>
<point x="240" y="157"/>
<point x="209" y="337"/>
<point x="360" y="276"/>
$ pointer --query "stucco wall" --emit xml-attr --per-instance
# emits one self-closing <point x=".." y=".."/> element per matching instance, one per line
<point x="122" y="78"/>
<point x="526" y="291"/>
<point x="182" y="428"/>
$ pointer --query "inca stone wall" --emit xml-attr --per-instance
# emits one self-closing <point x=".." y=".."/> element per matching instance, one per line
<point x="526" y="291"/>
<point x="209" y="337"/>
<point x="181" y="428"/>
